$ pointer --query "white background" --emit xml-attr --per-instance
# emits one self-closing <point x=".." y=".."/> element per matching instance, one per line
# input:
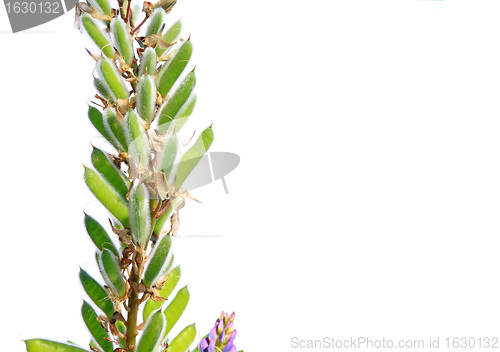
<point x="367" y="201"/>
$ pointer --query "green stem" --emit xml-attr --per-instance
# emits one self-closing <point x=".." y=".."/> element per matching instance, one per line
<point x="133" y="305"/>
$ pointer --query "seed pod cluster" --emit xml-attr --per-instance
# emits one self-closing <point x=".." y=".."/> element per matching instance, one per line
<point x="145" y="93"/>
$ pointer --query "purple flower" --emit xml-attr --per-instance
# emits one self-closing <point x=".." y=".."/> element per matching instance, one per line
<point x="221" y="337"/>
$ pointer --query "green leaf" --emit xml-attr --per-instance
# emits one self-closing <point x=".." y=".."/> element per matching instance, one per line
<point x="193" y="156"/>
<point x="97" y="293"/>
<point x="140" y="214"/>
<point x="178" y="106"/>
<point x="41" y="345"/>
<point x="158" y="262"/>
<point x="107" y="195"/>
<point x="176" y="308"/>
<point x="138" y="143"/>
<point x="102" y="6"/>
<point x="96" y="330"/>
<point x="182" y="341"/>
<point x="115" y="177"/>
<point x="152" y="335"/>
<point x="96" y="118"/>
<point x="148" y="62"/>
<point x="172" y="69"/>
<point x="97" y="35"/>
<point x="170" y="36"/>
<point x="122" y="39"/>
<point x="160" y="223"/>
<point x="114" y="81"/>
<point x="155" y="22"/>
<point x="115" y="129"/>
<point x="111" y="272"/>
<point x="171" y="282"/>
<point x="146" y="98"/>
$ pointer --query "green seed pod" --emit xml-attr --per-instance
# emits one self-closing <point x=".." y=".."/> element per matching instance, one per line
<point x="176" y="308"/>
<point x="168" y="156"/>
<point x="171" y="281"/>
<point x="98" y="235"/>
<point x="146" y="98"/>
<point x="97" y="293"/>
<point x="140" y="214"/>
<point x="96" y="118"/>
<point x="102" y="6"/>
<point x="152" y="335"/>
<point x="122" y="39"/>
<point x="172" y="69"/>
<point x="160" y="223"/>
<point x="158" y="262"/>
<point x="115" y="129"/>
<point x="182" y="341"/>
<point x="115" y="177"/>
<point x="138" y="145"/>
<point x="97" y="35"/>
<point x="114" y="81"/>
<point x="148" y="62"/>
<point x="123" y="329"/>
<point x="96" y="330"/>
<point x="41" y="345"/>
<point x="155" y="22"/>
<point x="103" y="90"/>
<point x="177" y="104"/>
<point x="110" y="270"/>
<point x="170" y="36"/>
<point x="193" y="156"/>
<point x="107" y="195"/>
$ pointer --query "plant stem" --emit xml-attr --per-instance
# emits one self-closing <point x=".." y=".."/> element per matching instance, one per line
<point x="133" y="302"/>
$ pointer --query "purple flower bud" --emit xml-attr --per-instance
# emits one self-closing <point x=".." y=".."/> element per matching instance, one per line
<point x="221" y="337"/>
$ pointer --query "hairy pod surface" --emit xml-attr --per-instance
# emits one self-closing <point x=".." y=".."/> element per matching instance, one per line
<point x="99" y="235"/>
<point x="155" y="22"/>
<point x="140" y="214"/>
<point x="107" y="195"/>
<point x="115" y="129"/>
<point x="137" y="140"/>
<point x="182" y="341"/>
<point x="170" y="36"/>
<point x="175" y="309"/>
<point x="42" y="345"/>
<point x="103" y="90"/>
<point x="146" y="98"/>
<point x="97" y="35"/>
<point x="172" y="69"/>
<point x="158" y="262"/>
<point x="148" y="62"/>
<point x="122" y="39"/>
<point x="115" y="177"/>
<point x="172" y="279"/>
<point x="168" y="156"/>
<point x="193" y="156"/>
<point x="114" y="81"/>
<point x="97" y="293"/>
<point x="97" y="120"/>
<point x="179" y="103"/>
<point x="153" y="333"/>
<point x="100" y="335"/>
<point x="102" y="6"/>
<point x="111" y="272"/>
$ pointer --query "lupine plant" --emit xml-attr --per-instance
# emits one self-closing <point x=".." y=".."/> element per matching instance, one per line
<point x="145" y="94"/>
